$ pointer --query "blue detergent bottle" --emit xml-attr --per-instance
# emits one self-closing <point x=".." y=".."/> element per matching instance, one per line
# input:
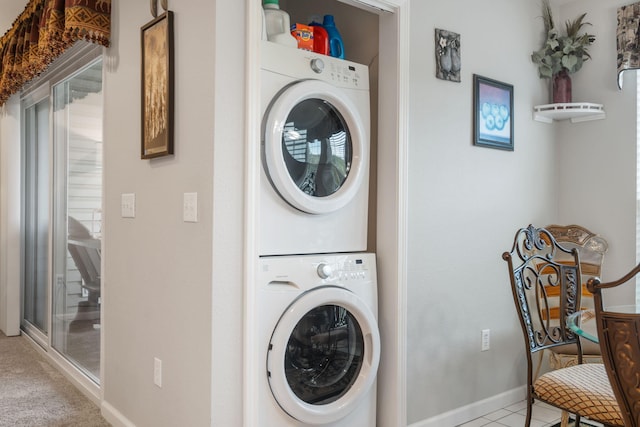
<point x="336" y="46"/>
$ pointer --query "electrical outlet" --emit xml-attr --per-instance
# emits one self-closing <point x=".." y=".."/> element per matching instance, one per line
<point x="157" y="372"/>
<point x="486" y="340"/>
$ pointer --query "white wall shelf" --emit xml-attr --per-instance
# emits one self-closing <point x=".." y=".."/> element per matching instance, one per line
<point x="574" y="111"/>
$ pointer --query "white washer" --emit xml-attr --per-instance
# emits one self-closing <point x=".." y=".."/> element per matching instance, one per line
<point x="315" y="153"/>
<point x="318" y="340"/>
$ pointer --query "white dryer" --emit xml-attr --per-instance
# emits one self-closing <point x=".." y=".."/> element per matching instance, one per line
<point x="315" y="153"/>
<point x="318" y="340"/>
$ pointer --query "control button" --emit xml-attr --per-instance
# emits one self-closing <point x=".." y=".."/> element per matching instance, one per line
<point x="317" y="65"/>
<point x="324" y="271"/>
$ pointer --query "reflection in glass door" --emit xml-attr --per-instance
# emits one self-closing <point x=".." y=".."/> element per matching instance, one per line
<point x="77" y="219"/>
<point x="35" y="188"/>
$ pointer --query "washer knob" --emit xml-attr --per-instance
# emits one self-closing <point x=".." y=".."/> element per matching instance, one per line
<point x="324" y="271"/>
<point x="317" y="65"/>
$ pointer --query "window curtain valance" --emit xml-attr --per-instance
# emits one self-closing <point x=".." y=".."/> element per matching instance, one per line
<point x="43" y="32"/>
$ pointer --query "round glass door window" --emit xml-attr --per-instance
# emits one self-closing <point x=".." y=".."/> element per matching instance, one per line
<point x="316" y="147"/>
<point x="324" y="355"/>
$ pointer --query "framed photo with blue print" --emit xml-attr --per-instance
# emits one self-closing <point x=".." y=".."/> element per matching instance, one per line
<point x="492" y="113"/>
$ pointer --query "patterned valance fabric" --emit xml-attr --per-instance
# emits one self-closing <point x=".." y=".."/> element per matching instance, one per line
<point x="43" y="32"/>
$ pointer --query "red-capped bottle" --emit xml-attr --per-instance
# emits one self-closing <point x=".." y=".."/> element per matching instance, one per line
<point x="320" y="40"/>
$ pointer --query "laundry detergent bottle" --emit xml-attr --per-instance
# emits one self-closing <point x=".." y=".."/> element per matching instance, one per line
<point x="278" y="24"/>
<point x="320" y="37"/>
<point x="336" y="47"/>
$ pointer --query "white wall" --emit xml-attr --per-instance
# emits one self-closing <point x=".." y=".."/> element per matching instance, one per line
<point x="159" y="269"/>
<point x="10" y="199"/>
<point x="598" y="170"/>
<point x="227" y="309"/>
<point x="466" y="203"/>
<point x="10" y="195"/>
<point x="10" y="11"/>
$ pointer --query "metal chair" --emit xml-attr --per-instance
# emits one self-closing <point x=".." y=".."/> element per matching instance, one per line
<point x="619" y="337"/>
<point x="592" y="249"/>
<point x="536" y="261"/>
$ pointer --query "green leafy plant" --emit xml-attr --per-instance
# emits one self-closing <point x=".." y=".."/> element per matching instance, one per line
<point x="562" y="52"/>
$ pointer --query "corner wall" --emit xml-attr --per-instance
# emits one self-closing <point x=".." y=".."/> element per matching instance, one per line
<point x="160" y="272"/>
<point x="466" y="203"/>
<point x="10" y="195"/>
<point x="10" y="200"/>
<point x="597" y="178"/>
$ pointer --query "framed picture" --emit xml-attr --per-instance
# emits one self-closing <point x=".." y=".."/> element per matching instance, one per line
<point x="157" y="87"/>
<point x="492" y="113"/>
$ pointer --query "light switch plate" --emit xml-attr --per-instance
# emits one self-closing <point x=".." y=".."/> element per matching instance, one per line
<point x="157" y="372"/>
<point x="190" y="207"/>
<point x="128" y="205"/>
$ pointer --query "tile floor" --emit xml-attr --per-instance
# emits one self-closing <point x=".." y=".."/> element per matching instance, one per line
<point x="514" y="416"/>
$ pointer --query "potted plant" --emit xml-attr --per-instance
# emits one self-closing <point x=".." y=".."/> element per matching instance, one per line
<point x="562" y="54"/>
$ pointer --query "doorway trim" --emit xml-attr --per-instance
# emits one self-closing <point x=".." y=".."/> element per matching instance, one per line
<point x="391" y="217"/>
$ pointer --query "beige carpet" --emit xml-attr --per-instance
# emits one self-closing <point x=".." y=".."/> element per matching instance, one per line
<point x="33" y="393"/>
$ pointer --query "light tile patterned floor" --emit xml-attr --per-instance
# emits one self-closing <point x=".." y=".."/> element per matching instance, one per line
<point x="514" y="416"/>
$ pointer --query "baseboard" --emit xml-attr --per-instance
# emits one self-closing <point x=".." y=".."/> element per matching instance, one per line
<point x="475" y="410"/>
<point x="114" y="416"/>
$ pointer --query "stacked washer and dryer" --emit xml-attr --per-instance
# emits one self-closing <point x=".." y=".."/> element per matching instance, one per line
<point x="317" y="288"/>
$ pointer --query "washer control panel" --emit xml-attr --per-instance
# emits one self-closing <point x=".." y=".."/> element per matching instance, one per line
<point x="303" y="271"/>
<point x="343" y="269"/>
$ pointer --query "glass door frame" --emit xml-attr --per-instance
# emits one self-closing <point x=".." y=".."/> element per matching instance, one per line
<point x="37" y="96"/>
<point x="78" y="58"/>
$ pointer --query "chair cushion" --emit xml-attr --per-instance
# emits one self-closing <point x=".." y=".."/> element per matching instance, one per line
<point x="582" y="389"/>
<point x="589" y="348"/>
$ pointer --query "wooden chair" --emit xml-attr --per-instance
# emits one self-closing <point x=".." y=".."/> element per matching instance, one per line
<point x="592" y="249"/>
<point x="619" y="337"/>
<point x="582" y="389"/>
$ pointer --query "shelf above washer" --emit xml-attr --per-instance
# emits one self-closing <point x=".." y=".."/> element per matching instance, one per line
<point x="575" y="111"/>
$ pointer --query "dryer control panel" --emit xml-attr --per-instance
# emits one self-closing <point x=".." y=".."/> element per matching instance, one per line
<point x="337" y="72"/>
<point x="303" y="64"/>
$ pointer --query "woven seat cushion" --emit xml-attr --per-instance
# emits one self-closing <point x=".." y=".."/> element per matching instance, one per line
<point x="589" y="348"/>
<point x="582" y="389"/>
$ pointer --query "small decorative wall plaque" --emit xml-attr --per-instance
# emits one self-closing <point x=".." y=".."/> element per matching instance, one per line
<point x="448" y="55"/>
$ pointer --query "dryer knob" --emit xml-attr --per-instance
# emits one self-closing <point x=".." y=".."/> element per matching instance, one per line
<point x="317" y="65"/>
<point x="324" y="271"/>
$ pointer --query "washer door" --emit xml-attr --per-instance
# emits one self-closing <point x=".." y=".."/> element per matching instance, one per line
<point x="314" y="147"/>
<point x="323" y="356"/>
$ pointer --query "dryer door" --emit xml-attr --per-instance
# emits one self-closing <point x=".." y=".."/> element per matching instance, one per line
<point x="323" y="355"/>
<point x="314" y="146"/>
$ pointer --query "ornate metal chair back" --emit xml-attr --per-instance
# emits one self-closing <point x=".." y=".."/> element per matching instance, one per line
<point x="537" y="263"/>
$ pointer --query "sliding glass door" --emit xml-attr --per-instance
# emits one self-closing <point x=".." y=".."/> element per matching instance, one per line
<point x="77" y="219"/>
<point x="62" y="213"/>
<point x="35" y="185"/>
